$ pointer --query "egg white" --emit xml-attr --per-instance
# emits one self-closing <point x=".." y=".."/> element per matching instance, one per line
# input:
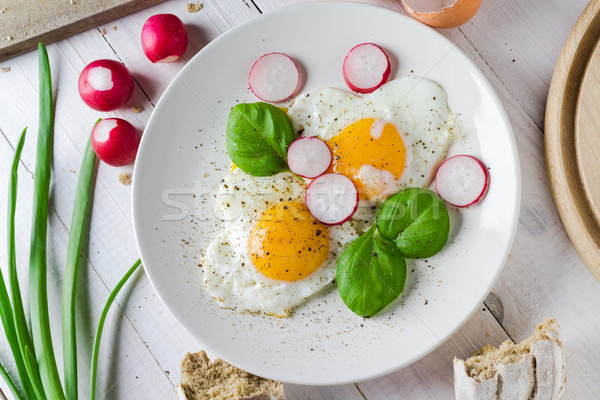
<point x="416" y="107"/>
<point x="229" y="274"/>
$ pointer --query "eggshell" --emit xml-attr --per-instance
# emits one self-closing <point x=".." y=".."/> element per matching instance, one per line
<point x="442" y="13"/>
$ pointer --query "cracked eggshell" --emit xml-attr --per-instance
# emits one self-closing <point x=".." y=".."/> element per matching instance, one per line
<point x="442" y="13"/>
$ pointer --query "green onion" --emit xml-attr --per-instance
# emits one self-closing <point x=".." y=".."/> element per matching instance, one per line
<point x="6" y="310"/>
<point x="10" y="383"/>
<point x="22" y="329"/>
<point x="33" y="352"/>
<point x="111" y="298"/>
<point x="31" y="365"/>
<point x="76" y="235"/>
<point x="38" y="291"/>
<point x="12" y="319"/>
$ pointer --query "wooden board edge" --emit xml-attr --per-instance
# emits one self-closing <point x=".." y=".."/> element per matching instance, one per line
<point x="560" y="115"/>
<point x="76" y="27"/>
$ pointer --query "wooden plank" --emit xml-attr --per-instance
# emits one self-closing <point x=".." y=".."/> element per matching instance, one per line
<point x="521" y="45"/>
<point x="544" y="277"/>
<point x="432" y="376"/>
<point x="24" y="23"/>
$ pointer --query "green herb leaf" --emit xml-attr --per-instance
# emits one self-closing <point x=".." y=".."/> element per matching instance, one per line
<point x="76" y="234"/>
<point x="258" y="135"/>
<point x="416" y="220"/>
<point x="371" y="273"/>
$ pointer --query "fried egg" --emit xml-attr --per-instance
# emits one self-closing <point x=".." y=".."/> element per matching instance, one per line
<point x="271" y="254"/>
<point x="386" y="141"/>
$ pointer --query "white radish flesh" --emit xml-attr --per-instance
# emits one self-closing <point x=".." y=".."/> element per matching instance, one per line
<point x="366" y="67"/>
<point x="332" y="199"/>
<point x="309" y="157"/>
<point x="462" y="180"/>
<point x="274" y="77"/>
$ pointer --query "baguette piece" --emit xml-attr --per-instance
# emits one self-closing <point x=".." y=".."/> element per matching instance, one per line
<point x="466" y="387"/>
<point x="202" y="379"/>
<point x="531" y="370"/>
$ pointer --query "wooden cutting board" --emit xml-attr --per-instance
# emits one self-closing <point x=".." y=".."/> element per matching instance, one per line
<point x="572" y="136"/>
<point x="24" y="23"/>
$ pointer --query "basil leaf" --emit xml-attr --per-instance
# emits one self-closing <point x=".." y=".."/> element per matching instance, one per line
<point x="371" y="273"/>
<point x="416" y="220"/>
<point x="258" y="135"/>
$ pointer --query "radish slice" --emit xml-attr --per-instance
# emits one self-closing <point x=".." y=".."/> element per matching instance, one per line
<point x="366" y="67"/>
<point x="462" y="180"/>
<point x="309" y="157"/>
<point x="332" y="199"/>
<point x="274" y="77"/>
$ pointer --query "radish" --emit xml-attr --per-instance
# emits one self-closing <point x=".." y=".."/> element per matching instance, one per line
<point x="274" y="77"/>
<point x="105" y="85"/>
<point x="115" y="141"/>
<point x="309" y="157"/>
<point x="332" y="199"/>
<point x="366" y="67"/>
<point x="164" y="38"/>
<point x="462" y="180"/>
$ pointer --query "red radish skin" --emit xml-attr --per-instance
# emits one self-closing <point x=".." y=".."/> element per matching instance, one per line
<point x="462" y="180"/>
<point x="309" y="157"/>
<point x="274" y="77"/>
<point x="115" y="141"/>
<point x="164" y="38"/>
<point x="105" y="85"/>
<point x="366" y="67"/>
<point x="332" y="199"/>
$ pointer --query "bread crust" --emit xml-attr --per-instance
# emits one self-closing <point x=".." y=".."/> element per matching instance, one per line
<point x="550" y="369"/>
<point x="533" y="369"/>
<point x="202" y="379"/>
<point x="467" y="388"/>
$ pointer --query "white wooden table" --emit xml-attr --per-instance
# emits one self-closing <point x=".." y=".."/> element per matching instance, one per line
<point x="515" y="43"/>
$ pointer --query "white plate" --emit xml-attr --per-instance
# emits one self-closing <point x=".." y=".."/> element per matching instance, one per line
<point x="182" y="157"/>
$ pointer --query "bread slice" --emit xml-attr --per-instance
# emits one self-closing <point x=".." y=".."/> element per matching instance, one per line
<point x="202" y="379"/>
<point x="533" y="369"/>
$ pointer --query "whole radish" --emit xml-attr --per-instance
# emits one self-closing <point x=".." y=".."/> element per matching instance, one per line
<point x="105" y="85"/>
<point x="164" y="38"/>
<point x="115" y="141"/>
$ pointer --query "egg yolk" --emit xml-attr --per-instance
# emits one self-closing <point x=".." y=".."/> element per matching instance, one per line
<point x="362" y="143"/>
<point x="287" y="243"/>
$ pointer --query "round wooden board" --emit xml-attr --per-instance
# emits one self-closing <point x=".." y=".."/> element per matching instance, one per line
<point x="572" y="136"/>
